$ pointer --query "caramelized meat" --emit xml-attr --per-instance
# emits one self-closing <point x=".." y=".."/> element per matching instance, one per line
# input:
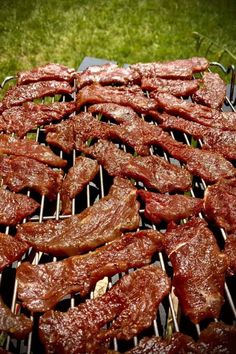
<point x="127" y="96"/>
<point x="76" y="179"/>
<point x="96" y="225"/>
<point x="220" y="203"/>
<point x="164" y="207"/>
<point x="28" y="148"/>
<point x="175" y="87"/>
<point x="230" y="251"/>
<point x="49" y="71"/>
<point x="19" y="172"/>
<point x="17" y="95"/>
<point x="199" y="269"/>
<point x="61" y="135"/>
<point x="16" y="326"/>
<point x="22" y="119"/>
<point x="11" y="250"/>
<point x="213" y="91"/>
<point x="153" y="171"/>
<point x="15" y="207"/>
<point x="40" y="287"/>
<point x="132" y="305"/>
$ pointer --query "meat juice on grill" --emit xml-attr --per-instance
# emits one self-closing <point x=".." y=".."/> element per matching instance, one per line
<point x="175" y="87"/>
<point x="199" y="269"/>
<point x="19" y="172"/>
<point x="132" y="304"/>
<point x="100" y="223"/>
<point x="164" y="207"/>
<point x="40" y="287"/>
<point x="230" y="251"/>
<point x="11" y="250"/>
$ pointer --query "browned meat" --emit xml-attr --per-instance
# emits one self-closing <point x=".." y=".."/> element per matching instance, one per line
<point x="61" y="135"/>
<point x="175" y="87"/>
<point x="19" y="172"/>
<point x="230" y="251"/>
<point x="132" y="305"/>
<point x="17" y="326"/>
<point x="40" y="287"/>
<point x="220" y="203"/>
<point x="107" y="74"/>
<point x="102" y="222"/>
<point x="49" y="71"/>
<point x="199" y="272"/>
<point x="28" y="148"/>
<point x="76" y="179"/>
<point x="164" y="207"/>
<point x="222" y="141"/>
<point x="15" y="207"/>
<point x="213" y="91"/>
<point x="178" y="69"/>
<point x="153" y="171"/>
<point x="11" y="250"/>
<point x="17" y="95"/>
<point x="22" y="119"/>
<point x="127" y="96"/>
<point x="197" y="113"/>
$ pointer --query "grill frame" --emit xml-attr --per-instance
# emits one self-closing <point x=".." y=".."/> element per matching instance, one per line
<point x="168" y="317"/>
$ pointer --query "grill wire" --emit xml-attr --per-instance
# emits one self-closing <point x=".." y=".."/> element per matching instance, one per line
<point x="169" y="318"/>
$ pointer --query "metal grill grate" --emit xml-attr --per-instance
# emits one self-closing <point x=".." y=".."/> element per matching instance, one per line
<point x="169" y="317"/>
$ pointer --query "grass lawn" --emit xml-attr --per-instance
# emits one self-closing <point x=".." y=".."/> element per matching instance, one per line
<point x="64" y="31"/>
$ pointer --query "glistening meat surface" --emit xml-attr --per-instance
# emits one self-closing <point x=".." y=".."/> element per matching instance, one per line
<point x="230" y="251"/>
<point x="11" y="250"/>
<point x="175" y="87"/>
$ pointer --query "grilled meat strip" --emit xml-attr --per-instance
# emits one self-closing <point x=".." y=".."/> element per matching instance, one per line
<point x="107" y="74"/>
<point x="61" y="135"/>
<point x="22" y="119"/>
<point x="16" y="326"/>
<point x="230" y="251"/>
<point x="163" y="207"/>
<point x="127" y="96"/>
<point x="199" y="268"/>
<point x="15" y="207"/>
<point x="11" y="250"/>
<point x="19" y="172"/>
<point x="132" y="305"/>
<point x="213" y="91"/>
<point x="102" y="222"/>
<point x="51" y="71"/>
<point x="195" y="112"/>
<point x="17" y="95"/>
<point x="153" y="171"/>
<point x="28" y="148"/>
<point x="40" y="287"/>
<point x="220" y="203"/>
<point x="175" y="87"/>
<point x="76" y="179"/>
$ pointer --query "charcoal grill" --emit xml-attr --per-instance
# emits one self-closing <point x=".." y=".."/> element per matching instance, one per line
<point x="169" y="318"/>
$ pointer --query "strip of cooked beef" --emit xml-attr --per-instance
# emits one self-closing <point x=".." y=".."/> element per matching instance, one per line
<point x="40" y="287"/>
<point x="17" y="95"/>
<point x="22" y="119"/>
<point x="131" y="96"/>
<point x="230" y="251"/>
<point x="196" y="112"/>
<point x="209" y="165"/>
<point x="11" y="250"/>
<point x="107" y="74"/>
<point x="213" y="91"/>
<point x="222" y="141"/>
<point x="28" y="148"/>
<point x="132" y="304"/>
<point x="16" y="326"/>
<point x="220" y="203"/>
<point x="100" y="223"/>
<point x="199" y="268"/>
<point x="19" y="172"/>
<point x="175" y="87"/>
<point x="50" y="71"/>
<point x="15" y="207"/>
<point x="153" y="171"/>
<point x="61" y="135"/>
<point x="177" y="69"/>
<point x="164" y="207"/>
<point x="78" y="176"/>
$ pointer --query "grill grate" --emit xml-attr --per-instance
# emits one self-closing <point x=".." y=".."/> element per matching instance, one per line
<point x="169" y="318"/>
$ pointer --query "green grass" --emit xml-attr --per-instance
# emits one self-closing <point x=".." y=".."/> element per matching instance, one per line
<point x="37" y="32"/>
